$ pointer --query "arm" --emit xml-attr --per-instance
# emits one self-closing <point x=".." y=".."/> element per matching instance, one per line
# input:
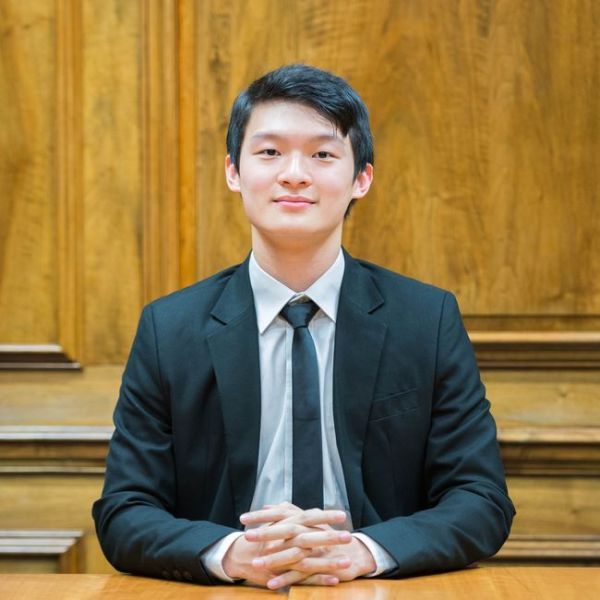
<point x="134" y="517"/>
<point x="468" y="513"/>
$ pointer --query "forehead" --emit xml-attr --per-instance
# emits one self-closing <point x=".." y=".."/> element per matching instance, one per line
<point x="281" y="118"/>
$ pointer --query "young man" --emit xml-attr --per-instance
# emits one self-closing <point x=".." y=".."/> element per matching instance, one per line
<point x="352" y="440"/>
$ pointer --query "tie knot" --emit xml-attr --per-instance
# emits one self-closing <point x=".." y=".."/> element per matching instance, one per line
<point x="299" y="314"/>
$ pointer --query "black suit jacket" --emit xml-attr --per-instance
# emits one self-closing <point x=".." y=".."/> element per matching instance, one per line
<point x="415" y="436"/>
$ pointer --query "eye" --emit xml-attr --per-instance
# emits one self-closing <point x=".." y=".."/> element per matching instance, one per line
<point x="269" y="152"/>
<point x="323" y="154"/>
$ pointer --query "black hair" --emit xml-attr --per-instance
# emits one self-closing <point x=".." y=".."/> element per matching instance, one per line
<point x="328" y="94"/>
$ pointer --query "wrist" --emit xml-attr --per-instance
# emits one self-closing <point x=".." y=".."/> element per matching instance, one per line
<point x="366" y="562"/>
<point x="231" y="566"/>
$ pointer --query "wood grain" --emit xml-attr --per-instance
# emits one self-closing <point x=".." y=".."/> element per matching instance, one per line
<point x="160" y="149"/>
<point x="555" y="505"/>
<point x="112" y="178"/>
<point x="84" y="398"/>
<point x="485" y="182"/>
<point x="120" y="587"/>
<point x="188" y="120"/>
<point x="527" y="399"/>
<point x="28" y="203"/>
<point x="487" y="155"/>
<point x="487" y="583"/>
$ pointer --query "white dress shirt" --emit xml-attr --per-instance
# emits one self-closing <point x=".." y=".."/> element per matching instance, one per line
<point x="274" y="476"/>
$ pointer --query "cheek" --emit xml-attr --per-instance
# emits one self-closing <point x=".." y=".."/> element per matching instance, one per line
<point x="256" y="178"/>
<point x="338" y="189"/>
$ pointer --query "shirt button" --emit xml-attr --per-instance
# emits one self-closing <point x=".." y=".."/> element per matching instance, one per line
<point x="166" y="574"/>
<point x="187" y="575"/>
<point x="177" y="575"/>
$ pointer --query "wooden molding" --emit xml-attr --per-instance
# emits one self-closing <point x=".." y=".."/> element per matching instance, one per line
<point x="187" y="53"/>
<point x="160" y="152"/>
<point x="550" y="548"/>
<point x="46" y="357"/>
<point x="537" y="349"/>
<point x="29" y="544"/>
<point x="66" y="353"/>
<point x="69" y="148"/>
<point x="44" y="450"/>
<point x="551" y="451"/>
<point x="82" y="449"/>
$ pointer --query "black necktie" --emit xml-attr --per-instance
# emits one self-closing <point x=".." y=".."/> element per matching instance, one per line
<point x="307" y="453"/>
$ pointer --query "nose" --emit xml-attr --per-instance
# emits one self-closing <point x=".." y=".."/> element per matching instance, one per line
<point x="294" y="172"/>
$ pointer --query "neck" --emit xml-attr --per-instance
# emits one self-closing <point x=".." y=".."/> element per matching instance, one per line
<point x="297" y="266"/>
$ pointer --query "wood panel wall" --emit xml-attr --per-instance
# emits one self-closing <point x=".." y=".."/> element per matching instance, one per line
<point x="112" y="122"/>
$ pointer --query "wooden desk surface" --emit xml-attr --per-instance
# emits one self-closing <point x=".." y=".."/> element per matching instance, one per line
<point x="510" y="583"/>
<point x="493" y="583"/>
<point x="118" y="587"/>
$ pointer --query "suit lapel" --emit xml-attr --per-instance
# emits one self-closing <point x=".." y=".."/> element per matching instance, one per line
<point x="234" y="351"/>
<point x="359" y="341"/>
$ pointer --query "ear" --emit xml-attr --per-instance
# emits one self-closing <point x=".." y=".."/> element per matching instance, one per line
<point x="363" y="182"/>
<point x="231" y="175"/>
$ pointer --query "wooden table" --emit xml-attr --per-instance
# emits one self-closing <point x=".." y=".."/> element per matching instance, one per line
<point x="510" y="583"/>
<point x="493" y="583"/>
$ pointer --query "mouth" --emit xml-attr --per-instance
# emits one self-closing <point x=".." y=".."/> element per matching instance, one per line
<point x="294" y="201"/>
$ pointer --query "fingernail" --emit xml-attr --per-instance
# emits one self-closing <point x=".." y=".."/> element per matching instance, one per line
<point x="243" y="517"/>
<point x="331" y="580"/>
<point x="345" y="536"/>
<point x="251" y="534"/>
<point x="273" y="583"/>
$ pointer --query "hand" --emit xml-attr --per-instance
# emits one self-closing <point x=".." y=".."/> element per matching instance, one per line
<point x="334" y="555"/>
<point x="346" y="564"/>
<point x="283" y="545"/>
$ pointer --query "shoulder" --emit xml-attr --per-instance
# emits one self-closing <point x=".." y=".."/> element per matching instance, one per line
<point x="395" y="285"/>
<point x="194" y="300"/>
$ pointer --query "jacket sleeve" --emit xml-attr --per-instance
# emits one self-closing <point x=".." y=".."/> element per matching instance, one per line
<point x="134" y="517"/>
<point x="468" y="513"/>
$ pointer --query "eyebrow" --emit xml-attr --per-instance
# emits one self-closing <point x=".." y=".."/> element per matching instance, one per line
<point x="322" y="137"/>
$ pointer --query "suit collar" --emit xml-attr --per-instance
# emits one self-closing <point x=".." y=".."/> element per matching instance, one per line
<point x="358" y="287"/>
<point x="234" y="351"/>
<point x="354" y="374"/>
<point x="236" y="297"/>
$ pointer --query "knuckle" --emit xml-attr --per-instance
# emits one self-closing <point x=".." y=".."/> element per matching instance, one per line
<point x="312" y="514"/>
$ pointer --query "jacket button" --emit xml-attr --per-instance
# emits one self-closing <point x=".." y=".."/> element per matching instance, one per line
<point x="166" y="574"/>
<point x="177" y="575"/>
<point x="187" y="575"/>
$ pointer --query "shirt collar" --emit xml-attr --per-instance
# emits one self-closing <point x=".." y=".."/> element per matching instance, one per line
<point x="270" y="295"/>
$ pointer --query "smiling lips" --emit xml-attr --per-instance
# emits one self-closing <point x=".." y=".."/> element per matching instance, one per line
<point x="296" y="202"/>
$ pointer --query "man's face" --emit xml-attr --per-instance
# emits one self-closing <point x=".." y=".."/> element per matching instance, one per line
<point x="296" y="174"/>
